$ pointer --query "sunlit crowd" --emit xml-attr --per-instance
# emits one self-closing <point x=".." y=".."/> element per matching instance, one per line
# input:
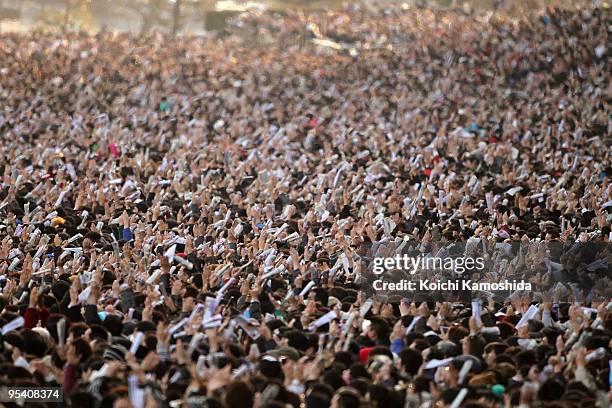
<point x="194" y="221"/>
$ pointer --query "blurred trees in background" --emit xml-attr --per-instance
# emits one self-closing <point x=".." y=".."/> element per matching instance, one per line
<point x="61" y="14"/>
<point x="151" y="12"/>
<point x="173" y="16"/>
<point x="135" y="15"/>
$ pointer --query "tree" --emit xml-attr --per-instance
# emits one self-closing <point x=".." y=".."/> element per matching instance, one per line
<point x="151" y="12"/>
<point x="63" y="14"/>
<point x="8" y="13"/>
<point x="169" y="13"/>
<point x="176" y="16"/>
<point x="203" y="7"/>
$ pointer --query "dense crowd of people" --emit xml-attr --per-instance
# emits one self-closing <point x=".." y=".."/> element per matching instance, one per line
<point x="193" y="221"/>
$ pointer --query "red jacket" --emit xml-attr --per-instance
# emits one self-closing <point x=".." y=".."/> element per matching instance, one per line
<point x="33" y="315"/>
